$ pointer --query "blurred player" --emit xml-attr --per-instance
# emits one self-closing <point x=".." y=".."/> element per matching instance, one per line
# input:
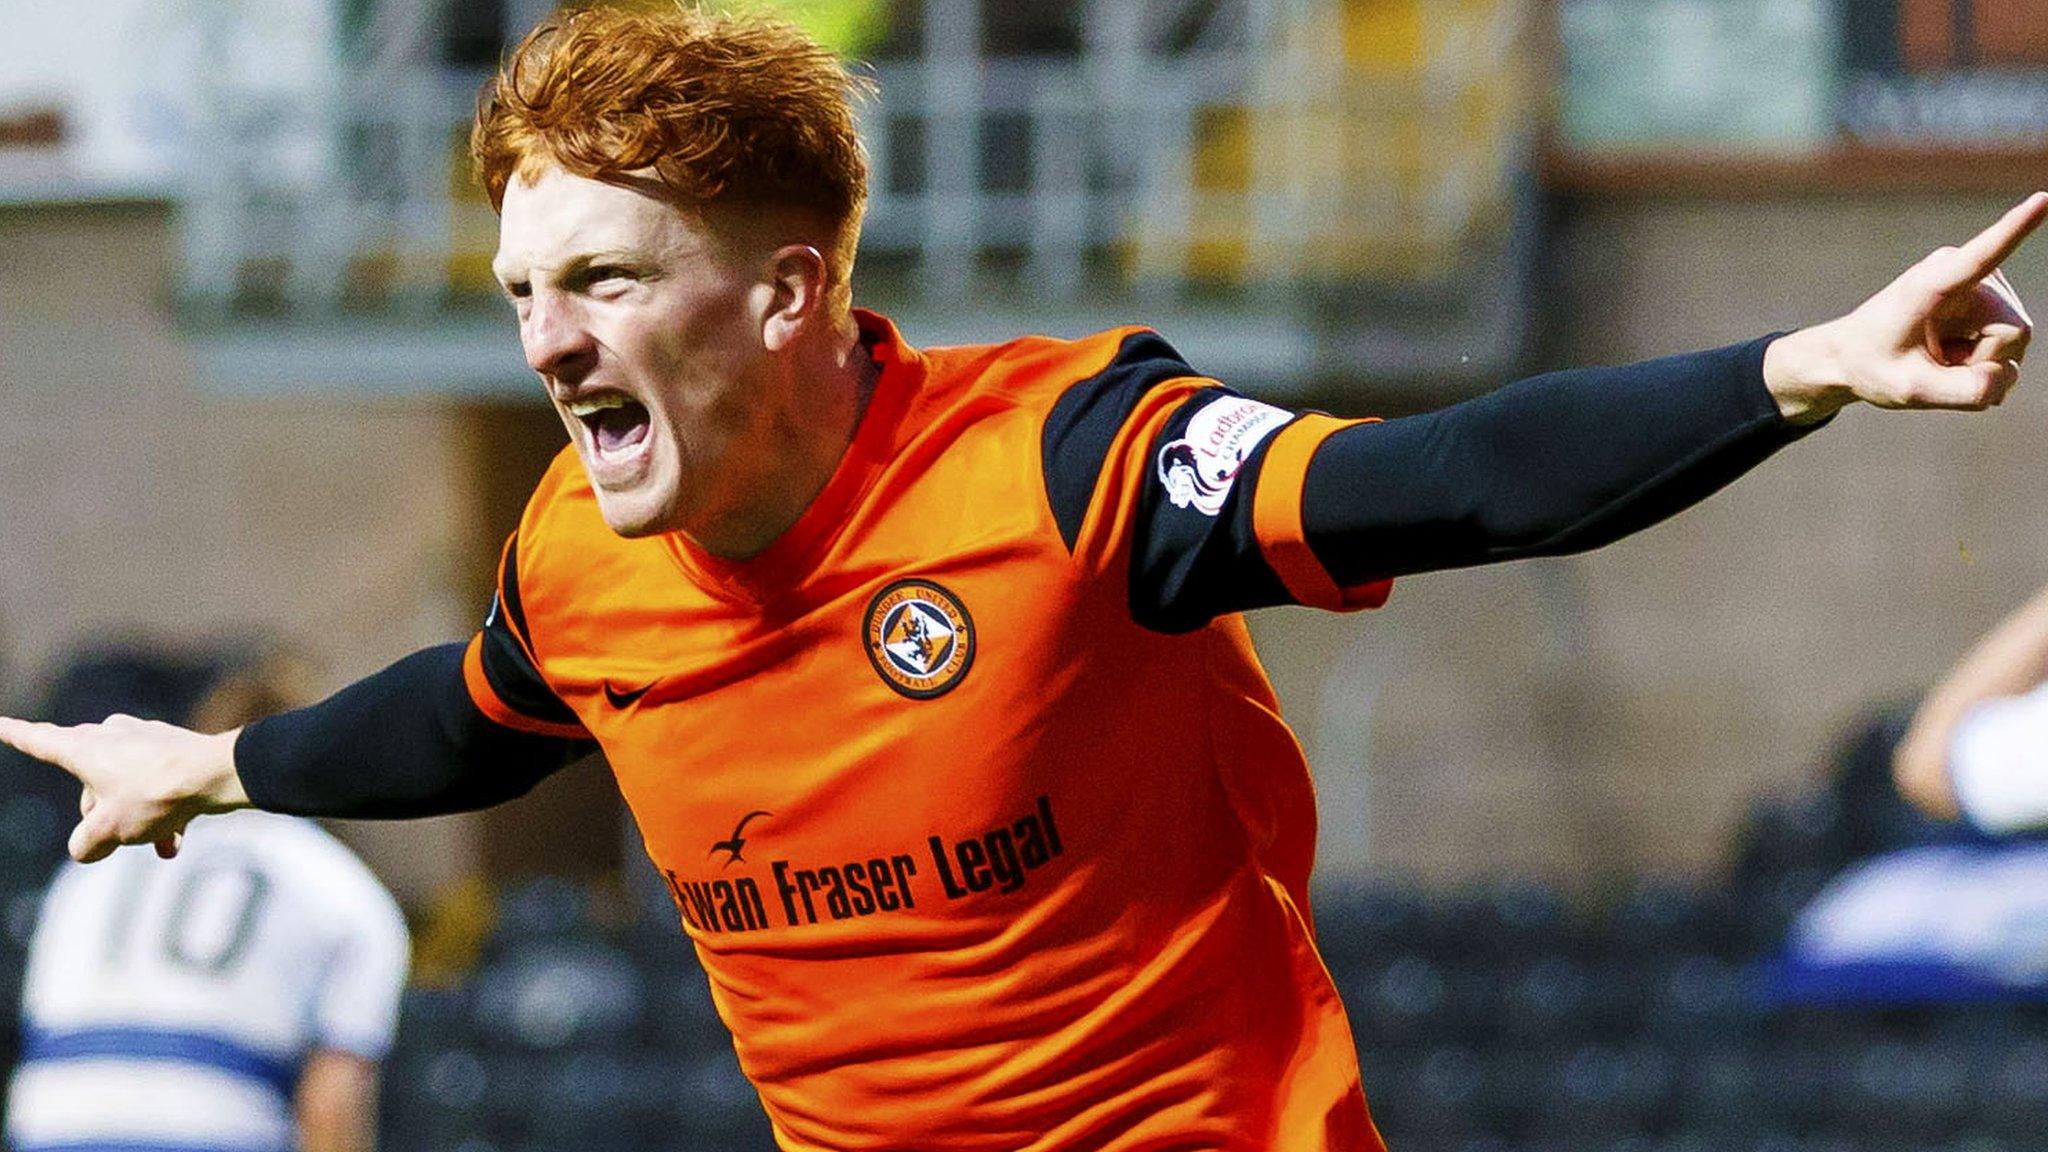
<point x="923" y="670"/>
<point x="237" y="998"/>
<point x="1978" y="744"/>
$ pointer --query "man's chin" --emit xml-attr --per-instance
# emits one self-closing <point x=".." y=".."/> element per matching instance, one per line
<point x="631" y="515"/>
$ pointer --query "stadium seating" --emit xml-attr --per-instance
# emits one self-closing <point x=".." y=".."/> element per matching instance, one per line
<point x="1499" y="1020"/>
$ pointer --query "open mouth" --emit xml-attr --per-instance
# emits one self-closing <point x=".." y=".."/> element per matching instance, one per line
<point x="617" y="425"/>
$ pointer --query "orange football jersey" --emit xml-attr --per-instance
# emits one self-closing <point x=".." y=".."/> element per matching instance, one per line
<point x="980" y="848"/>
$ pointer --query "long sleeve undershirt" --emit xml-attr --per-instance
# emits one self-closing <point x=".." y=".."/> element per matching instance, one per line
<point x="1549" y="465"/>
<point x="407" y="741"/>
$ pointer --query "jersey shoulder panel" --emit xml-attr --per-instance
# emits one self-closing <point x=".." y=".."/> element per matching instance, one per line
<point x="1116" y="405"/>
<point x="1030" y="370"/>
<point x="563" y="546"/>
<point x="1080" y="394"/>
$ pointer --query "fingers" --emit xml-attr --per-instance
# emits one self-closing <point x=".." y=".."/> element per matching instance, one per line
<point x="117" y="806"/>
<point x="1983" y="322"/>
<point x="2002" y="376"/>
<point x="1950" y="332"/>
<point x="1988" y="383"/>
<point x="1920" y="769"/>
<point x="96" y="837"/>
<point x="2003" y="289"/>
<point x="1999" y="342"/>
<point x="93" y="839"/>
<point x="51" y="743"/>
<point x="98" y="834"/>
<point x="1984" y="252"/>
<point x="1961" y="387"/>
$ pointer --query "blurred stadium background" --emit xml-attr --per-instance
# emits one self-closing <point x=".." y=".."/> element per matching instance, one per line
<point x="1573" y="808"/>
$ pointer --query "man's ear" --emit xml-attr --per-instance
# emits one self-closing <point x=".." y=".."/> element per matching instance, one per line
<point x="798" y="274"/>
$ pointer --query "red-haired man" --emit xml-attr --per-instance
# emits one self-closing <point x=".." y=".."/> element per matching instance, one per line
<point x="923" y="670"/>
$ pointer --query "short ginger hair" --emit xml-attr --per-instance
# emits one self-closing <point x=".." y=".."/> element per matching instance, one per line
<point x="721" y="108"/>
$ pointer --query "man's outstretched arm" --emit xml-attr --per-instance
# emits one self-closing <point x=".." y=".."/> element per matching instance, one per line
<point x="1322" y="512"/>
<point x="407" y="741"/>
<point x="1574" y="460"/>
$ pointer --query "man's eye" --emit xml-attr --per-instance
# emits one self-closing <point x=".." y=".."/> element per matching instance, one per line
<point x="519" y="291"/>
<point x="605" y="272"/>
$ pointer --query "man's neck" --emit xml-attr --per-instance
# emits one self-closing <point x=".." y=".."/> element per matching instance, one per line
<point x="809" y="446"/>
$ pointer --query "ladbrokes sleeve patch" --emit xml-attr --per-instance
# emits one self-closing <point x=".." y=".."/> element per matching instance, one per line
<point x="1199" y="469"/>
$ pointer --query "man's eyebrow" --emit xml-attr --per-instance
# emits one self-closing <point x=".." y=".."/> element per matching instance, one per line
<point x="597" y="256"/>
<point x="576" y="265"/>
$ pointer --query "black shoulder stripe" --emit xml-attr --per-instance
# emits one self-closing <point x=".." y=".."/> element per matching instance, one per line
<point x="508" y="596"/>
<point x="1084" y="422"/>
<point x="518" y="683"/>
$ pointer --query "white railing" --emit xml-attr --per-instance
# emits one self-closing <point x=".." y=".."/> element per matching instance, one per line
<point x="1063" y="177"/>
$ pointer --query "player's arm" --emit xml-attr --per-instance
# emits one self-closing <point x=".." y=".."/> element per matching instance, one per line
<point x="1323" y="512"/>
<point x="1317" y="511"/>
<point x="448" y="729"/>
<point x="410" y="741"/>
<point x="1575" y="460"/>
<point x="1978" y="744"/>
<point x="336" y="1102"/>
<point x="407" y="741"/>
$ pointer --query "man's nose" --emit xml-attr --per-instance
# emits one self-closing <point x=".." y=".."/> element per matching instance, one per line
<point x="557" y="343"/>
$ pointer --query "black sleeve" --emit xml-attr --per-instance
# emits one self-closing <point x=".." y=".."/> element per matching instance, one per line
<point x="1192" y="559"/>
<point x="1553" y="464"/>
<point x="407" y="741"/>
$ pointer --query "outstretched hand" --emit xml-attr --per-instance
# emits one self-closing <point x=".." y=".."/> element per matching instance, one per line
<point x="143" y="780"/>
<point x="1950" y="332"/>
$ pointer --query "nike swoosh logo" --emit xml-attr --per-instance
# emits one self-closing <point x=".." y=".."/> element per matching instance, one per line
<point x="624" y="700"/>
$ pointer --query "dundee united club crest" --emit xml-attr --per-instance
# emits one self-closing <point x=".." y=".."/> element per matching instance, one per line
<point x="919" y="638"/>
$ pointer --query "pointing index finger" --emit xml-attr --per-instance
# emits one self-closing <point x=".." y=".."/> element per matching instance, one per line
<point x="1988" y="249"/>
<point x="45" y="742"/>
